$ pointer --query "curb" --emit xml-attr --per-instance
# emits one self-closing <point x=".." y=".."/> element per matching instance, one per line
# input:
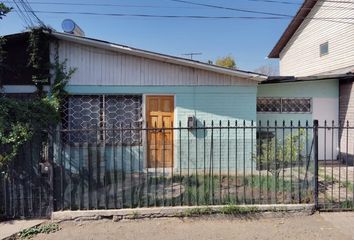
<point x="184" y="211"/>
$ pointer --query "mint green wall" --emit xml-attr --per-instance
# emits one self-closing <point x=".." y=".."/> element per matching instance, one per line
<point x="207" y="103"/>
<point x="313" y="89"/>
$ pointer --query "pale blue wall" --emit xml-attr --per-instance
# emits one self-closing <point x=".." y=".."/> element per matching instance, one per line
<point x="207" y="103"/>
<point x="312" y="89"/>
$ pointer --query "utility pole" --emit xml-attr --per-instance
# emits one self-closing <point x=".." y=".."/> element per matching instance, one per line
<point x="191" y="54"/>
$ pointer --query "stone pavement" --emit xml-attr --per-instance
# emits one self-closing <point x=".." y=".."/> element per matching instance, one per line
<point x="9" y="228"/>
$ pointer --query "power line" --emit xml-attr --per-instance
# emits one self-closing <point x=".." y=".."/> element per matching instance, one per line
<point x="101" y="5"/>
<point x="161" y="16"/>
<point x="173" y="7"/>
<point x="189" y="16"/>
<point x="232" y="9"/>
<point x="23" y="15"/>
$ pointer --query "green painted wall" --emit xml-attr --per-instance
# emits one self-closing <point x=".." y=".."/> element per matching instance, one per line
<point x="313" y="89"/>
<point x="215" y="150"/>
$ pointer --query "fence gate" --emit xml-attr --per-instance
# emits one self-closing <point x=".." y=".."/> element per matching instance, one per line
<point x="25" y="185"/>
<point x="334" y="166"/>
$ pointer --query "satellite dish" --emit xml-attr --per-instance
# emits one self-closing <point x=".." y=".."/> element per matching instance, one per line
<point x="69" y="26"/>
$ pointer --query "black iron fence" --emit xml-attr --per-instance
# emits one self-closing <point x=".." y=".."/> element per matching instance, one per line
<point x="25" y="183"/>
<point x="222" y="163"/>
<point x="203" y="164"/>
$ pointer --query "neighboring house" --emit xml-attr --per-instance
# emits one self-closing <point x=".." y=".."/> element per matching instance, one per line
<point x="300" y="101"/>
<point x="316" y="44"/>
<point x="315" y="47"/>
<point x="116" y="85"/>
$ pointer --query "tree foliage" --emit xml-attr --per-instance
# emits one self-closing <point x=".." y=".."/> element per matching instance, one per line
<point x="4" y="10"/>
<point x="269" y="70"/>
<point x="276" y="154"/>
<point x="20" y="120"/>
<point x="227" y="61"/>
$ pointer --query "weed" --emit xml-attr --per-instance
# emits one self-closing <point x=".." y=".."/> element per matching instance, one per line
<point x="233" y="209"/>
<point x="33" y="231"/>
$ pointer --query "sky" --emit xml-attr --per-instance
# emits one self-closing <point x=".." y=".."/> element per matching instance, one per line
<point x="248" y="40"/>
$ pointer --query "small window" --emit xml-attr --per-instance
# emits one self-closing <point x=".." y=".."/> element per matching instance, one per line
<point x="268" y="104"/>
<point x="324" y="49"/>
<point x="284" y="105"/>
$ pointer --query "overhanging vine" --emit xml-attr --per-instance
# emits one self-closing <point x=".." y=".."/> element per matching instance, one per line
<point x="21" y="120"/>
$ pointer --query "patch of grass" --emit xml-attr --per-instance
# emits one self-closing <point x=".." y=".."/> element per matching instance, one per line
<point x="233" y="209"/>
<point x="347" y="185"/>
<point x="198" y="211"/>
<point x="33" y="231"/>
<point x="225" y="210"/>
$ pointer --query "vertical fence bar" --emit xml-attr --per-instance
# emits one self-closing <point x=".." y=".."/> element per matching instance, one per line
<point x="244" y="162"/>
<point x="122" y="162"/>
<point x="163" y="163"/>
<point x="315" y="136"/>
<point x="97" y="169"/>
<point x="140" y="166"/>
<point x="62" y="173"/>
<point x="115" y="170"/>
<point x="172" y="164"/>
<point x="325" y="161"/>
<point x="148" y="157"/>
<point x="228" y="161"/>
<point x="180" y="163"/>
<point x="340" y="128"/>
<point x="155" y="160"/>
<point x="105" y="174"/>
<point x="220" y="177"/>
<point x="298" y="162"/>
<point x="308" y="155"/>
<point x="346" y="166"/>
<point x="332" y="163"/>
<point x="196" y="162"/>
<point x="252" y="177"/>
<point x="236" y="158"/>
<point x="260" y="182"/>
<point x="204" y="170"/>
<point x="291" y="161"/>
<point x="283" y="161"/>
<point x="276" y="162"/>
<point x="212" y="162"/>
<point x="132" y="182"/>
<point x="188" y="166"/>
<point x="267" y="163"/>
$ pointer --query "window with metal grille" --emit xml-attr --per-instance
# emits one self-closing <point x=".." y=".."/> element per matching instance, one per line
<point x="284" y="105"/>
<point x="100" y="118"/>
<point x="268" y="105"/>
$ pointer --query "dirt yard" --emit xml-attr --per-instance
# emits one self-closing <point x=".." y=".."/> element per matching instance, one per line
<point x="319" y="226"/>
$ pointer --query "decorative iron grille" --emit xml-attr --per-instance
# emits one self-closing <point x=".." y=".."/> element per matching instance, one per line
<point x="99" y="112"/>
<point x="268" y="105"/>
<point x="296" y="105"/>
<point x="284" y="105"/>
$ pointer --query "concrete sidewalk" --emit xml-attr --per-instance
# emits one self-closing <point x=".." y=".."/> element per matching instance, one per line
<point x="9" y="228"/>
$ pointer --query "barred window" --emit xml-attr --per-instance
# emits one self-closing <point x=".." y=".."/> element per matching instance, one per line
<point x="284" y="105"/>
<point x="268" y="105"/>
<point x="99" y="118"/>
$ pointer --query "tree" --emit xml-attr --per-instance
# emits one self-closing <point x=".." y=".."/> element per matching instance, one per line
<point x="269" y="70"/>
<point x="227" y="61"/>
<point x="4" y="10"/>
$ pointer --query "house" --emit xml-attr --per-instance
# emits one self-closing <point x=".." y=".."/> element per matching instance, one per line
<point x="318" y="41"/>
<point x="318" y="52"/>
<point x="119" y="86"/>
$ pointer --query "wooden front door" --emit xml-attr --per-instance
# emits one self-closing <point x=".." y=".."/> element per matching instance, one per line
<point x="159" y="114"/>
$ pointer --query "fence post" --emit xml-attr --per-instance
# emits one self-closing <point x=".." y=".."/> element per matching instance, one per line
<point x="315" y="138"/>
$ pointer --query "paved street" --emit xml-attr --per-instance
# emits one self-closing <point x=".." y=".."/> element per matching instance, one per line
<point x="319" y="226"/>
